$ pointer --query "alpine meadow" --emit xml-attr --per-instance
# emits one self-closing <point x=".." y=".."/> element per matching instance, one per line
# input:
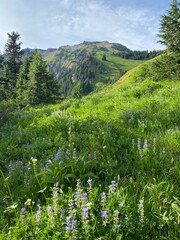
<point x="90" y="140"/>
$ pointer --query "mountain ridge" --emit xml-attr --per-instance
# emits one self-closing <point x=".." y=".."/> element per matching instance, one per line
<point x="89" y="66"/>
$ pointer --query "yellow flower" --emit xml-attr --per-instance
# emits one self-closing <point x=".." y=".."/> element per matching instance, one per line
<point x="28" y="202"/>
<point x="34" y="160"/>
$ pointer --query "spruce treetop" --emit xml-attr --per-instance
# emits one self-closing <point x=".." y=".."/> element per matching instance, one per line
<point x="170" y="28"/>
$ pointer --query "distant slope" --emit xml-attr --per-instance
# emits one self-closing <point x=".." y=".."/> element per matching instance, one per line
<point x="80" y="69"/>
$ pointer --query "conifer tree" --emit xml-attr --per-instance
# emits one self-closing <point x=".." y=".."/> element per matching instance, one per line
<point x="170" y="28"/>
<point x="42" y="88"/>
<point x="13" y="53"/>
<point x="22" y="83"/>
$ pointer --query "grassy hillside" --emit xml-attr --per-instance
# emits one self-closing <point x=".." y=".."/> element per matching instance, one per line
<point x="128" y="132"/>
<point x="81" y="66"/>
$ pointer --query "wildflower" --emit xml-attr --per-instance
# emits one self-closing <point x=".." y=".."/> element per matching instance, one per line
<point x="103" y="199"/>
<point x="85" y="218"/>
<point x="116" y="225"/>
<point x="50" y="216"/>
<point x="85" y="212"/>
<point x="127" y="219"/>
<point x="38" y="215"/>
<point x="71" y="227"/>
<point x="89" y="156"/>
<point x="89" y="182"/>
<point x="84" y="197"/>
<point x="145" y="147"/>
<point x="141" y="210"/>
<point x="122" y="204"/>
<point x="28" y="202"/>
<point x="23" y="210"/>
<point x="112" y="187"/>
<point x="58" y="155"/>
<point x="68" y="224"/>
<point x="104" y="215"/>
<point x="22" y="214"/>
<point x="72" y="210"/>
<point x="55" y="198"/>
<point x="10" y="167"/>
<point x="78" y="186"/>
<point x="33" y="160"/>
<point x="74" y="153"/>
<point x="77" y="198"/>
<point x="89" y="204"/>
<point x="139" y="147"/>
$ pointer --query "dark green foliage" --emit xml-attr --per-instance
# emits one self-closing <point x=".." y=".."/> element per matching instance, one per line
<point x="167" y="66"/>
<point x="13" y="53"/>
<point x="42" y="88"/>
<point x="22" y="83"/>
<point x="138" y="55"/>
<point x="170" y="28"/>
<point x="104" y="57"/>
<point x="6" y="111"/>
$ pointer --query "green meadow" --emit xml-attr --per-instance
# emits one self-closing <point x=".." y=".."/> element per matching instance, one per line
<point x="105" y="166"/>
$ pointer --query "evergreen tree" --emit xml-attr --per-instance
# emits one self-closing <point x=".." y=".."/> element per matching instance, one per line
<point x="13" y="53"/>
<point x="170" y="28"/>
<point x="42" y="88"/>
<point x="22" y="83"/>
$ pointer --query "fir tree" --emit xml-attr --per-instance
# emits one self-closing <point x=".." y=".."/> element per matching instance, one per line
<point x="13" y="53"/>
<point x="170" y="28"/>
<point x="42" y="88"/>
<point x="22" y="83"/>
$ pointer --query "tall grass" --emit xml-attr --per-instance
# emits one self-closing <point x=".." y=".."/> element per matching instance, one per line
<point x="128" y="132"/>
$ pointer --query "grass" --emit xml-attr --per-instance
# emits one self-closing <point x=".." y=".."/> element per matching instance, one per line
<point x="128" y="132"/>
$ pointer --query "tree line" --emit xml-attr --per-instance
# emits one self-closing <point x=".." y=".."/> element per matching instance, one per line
<point x="26" y="81"/>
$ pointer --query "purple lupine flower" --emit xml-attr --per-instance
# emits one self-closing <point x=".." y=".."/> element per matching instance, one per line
<point x="104" y="215"/>
<point x="85" y="218"/>
<point x="58" y="155"/>
<point x="113" y="187"/>
<point x="103" y="199"/>
<point x="71" y="227"/>
<point x="73" y="224"/>
<point x="22" y="214"/>
<point x="84" y="196"/>
<point x="68" y="224"/>
<point x="89" y="182"/>
<point x="23" y="211"/>
<point x="85" y="213"/>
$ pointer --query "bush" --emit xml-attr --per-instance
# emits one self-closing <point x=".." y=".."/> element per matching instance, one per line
<point x="6" y="110"/>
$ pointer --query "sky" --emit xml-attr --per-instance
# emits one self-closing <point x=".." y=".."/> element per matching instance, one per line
<point x="54" y="23"/>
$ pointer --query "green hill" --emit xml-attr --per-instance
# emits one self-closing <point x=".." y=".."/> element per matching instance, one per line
<point x="129" y="131"/>
<point x="87" y="67"/>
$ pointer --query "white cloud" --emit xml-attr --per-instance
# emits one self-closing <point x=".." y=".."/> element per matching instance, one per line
<point x="52" y="23"/>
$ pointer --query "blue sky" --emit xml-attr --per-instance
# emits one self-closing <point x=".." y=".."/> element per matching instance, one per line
<point x="53" y="23"/>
